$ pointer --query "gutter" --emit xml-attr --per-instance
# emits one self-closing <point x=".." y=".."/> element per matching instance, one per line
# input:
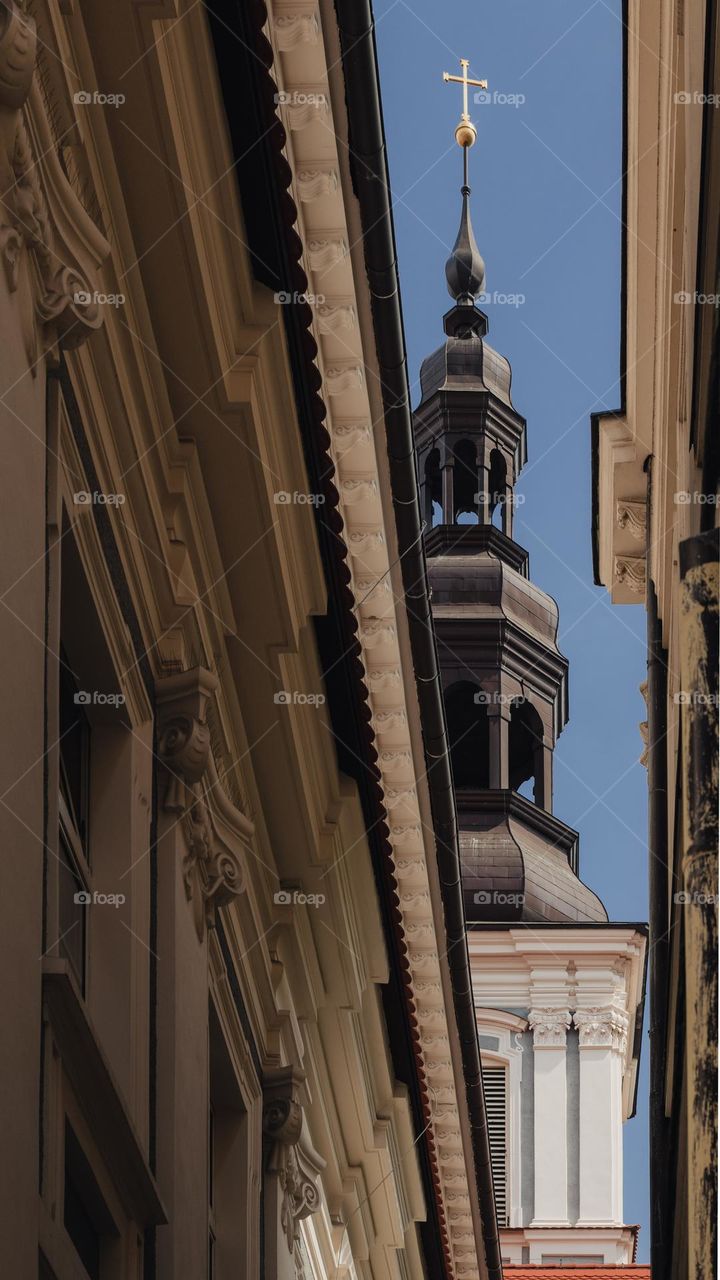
<point x="371" y="183"/>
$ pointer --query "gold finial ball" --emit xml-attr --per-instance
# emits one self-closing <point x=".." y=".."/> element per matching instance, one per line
<point x="466" y="134"/>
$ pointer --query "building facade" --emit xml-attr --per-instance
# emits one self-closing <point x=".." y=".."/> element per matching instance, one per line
<point x="655" y="491"/>
<point x="239" y="1034"/>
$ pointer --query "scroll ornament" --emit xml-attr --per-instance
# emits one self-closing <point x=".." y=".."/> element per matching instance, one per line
<point x="291" y="1156"/>
<point x="52" y="287"/>
<point x="216" y="832"/>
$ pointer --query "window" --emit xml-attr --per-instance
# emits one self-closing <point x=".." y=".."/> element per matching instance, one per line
<point x="496" y="1089"/>
<point x="73" y="847"/>
<point x="433" y="489"/>
<point x="211" y="1193"/>
<point x="526" y="751"/>
<point x="228" y="1170"/>
<point x="465" y="483"/>
<point x="497" y="486"/>
<point x="85" y="1215"/>
<point x="468" y="729"/>
<point x="572" y="1259"/>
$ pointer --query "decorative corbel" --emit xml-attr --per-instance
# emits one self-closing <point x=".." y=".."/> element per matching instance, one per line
<point x="290" y="1154"/>
<point x="57" y="291"/>
<point x="216" y="833"/>
<point x="631" y="514"/>
<point x="644" y="728"/>
<point x="630" y="571"/>
<point x="183" y="732"/>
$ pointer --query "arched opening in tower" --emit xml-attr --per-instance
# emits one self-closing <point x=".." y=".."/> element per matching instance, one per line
<point x="468" y="728"/>
<point x="497" y="488"/>
<point x="465" y="483"/>
<point x="525" y="749"/>
<point x="432" y="484"/>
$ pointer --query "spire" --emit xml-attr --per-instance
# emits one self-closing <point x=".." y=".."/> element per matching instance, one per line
<point x="465" y="268"/>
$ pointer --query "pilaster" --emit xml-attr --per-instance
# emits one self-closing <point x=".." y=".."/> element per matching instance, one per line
<point x="550" y="1026"/>
<point x="603" y="1043"/>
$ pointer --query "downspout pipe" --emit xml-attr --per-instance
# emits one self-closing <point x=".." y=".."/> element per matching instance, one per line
<point x="371" y="183"/>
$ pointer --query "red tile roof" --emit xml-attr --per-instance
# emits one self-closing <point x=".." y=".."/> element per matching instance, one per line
<point x="535" y="1271"/>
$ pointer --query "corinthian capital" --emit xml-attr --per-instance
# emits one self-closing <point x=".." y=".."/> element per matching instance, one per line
<point x="549" y="1027"/>
<point x="290" y="1154"/>
<point x="602" y="1028"/>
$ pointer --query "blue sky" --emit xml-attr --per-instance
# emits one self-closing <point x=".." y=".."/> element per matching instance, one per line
<point x="546" y="206"/>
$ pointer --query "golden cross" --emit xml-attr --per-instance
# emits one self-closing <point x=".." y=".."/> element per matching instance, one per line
<point x="465" y="81"/>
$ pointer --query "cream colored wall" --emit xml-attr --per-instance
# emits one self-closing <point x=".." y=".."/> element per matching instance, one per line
<point x="197" y="470"/>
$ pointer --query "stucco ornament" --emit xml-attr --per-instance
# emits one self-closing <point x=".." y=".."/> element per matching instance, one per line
<point x="216" y="833"/>
<point x="290" y="1154"/>
<point x="51" y="273"/>
<point x="550" y="1027"/>
<point x="605" y="1028"/>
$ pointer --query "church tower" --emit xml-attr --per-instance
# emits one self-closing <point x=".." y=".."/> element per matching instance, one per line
<point x="558" y="989"/>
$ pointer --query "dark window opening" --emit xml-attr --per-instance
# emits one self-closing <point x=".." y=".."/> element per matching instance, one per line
<point x="74" y="746"/>
<point x="433" y="489"/>
<point x="469" y="733"/>
<point x="465" y="483"/>
<point x="497" y="482"/>
<point x="525" y="749"/>
<point x="85" y="1214"/>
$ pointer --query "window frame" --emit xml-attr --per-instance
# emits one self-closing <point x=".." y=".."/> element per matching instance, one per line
<point x="507" y="1029"/>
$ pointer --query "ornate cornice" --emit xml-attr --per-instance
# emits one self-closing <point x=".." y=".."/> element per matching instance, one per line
<point x="549" y="1027"/>
<point x="216" y="833"/>
<point x="360" y="457"/>
<point x="605" y="1028"/>
<point x="290" y="1154"/>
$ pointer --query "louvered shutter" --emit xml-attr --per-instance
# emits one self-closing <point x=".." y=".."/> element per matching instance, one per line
<point x="495" y="1086"/>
